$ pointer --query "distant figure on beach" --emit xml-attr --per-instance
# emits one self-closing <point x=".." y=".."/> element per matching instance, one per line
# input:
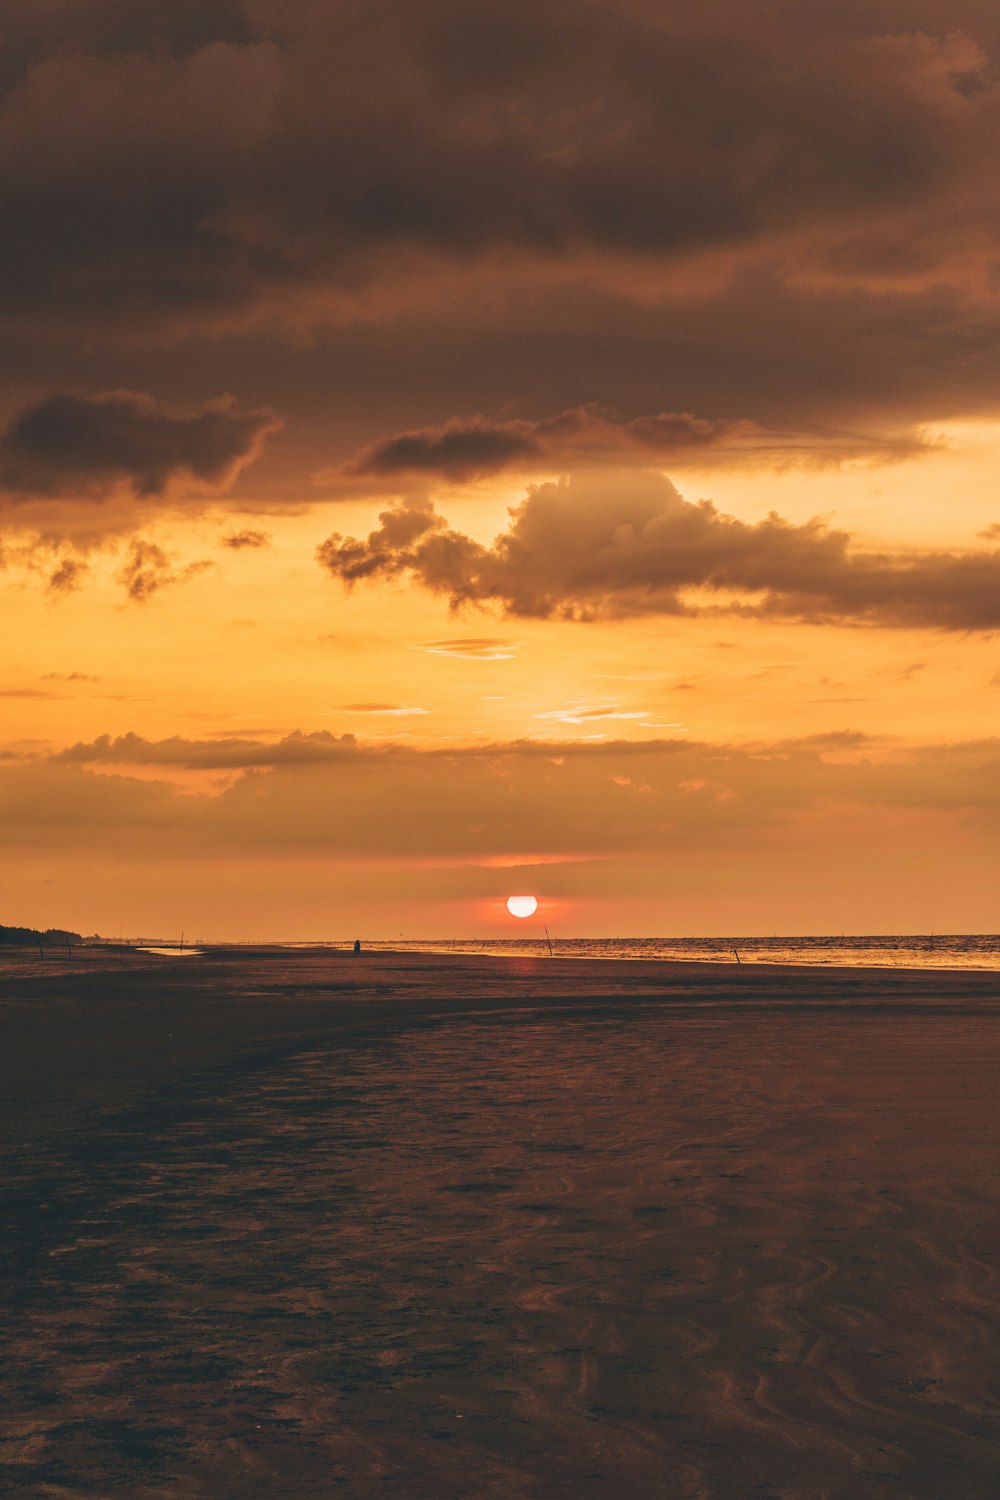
<point x="357" y="945"/>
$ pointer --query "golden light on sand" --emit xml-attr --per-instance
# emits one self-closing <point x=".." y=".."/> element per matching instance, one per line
<point x="522" y="906"/>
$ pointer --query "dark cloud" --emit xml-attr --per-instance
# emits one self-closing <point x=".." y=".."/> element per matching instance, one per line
<point x="823" y="371"/>
<point x="783" y="212"/>
<point x="630" y="545"/>
<point x="69" y="677"/>
<point x="67" y="444"/>
<point x="112" y="27"/>
<point x="460" y="451"/>
<point x="147" y="569"/>
<point x="240" y="541"/>
<point x="277" y="146"/>
<point x="475" y="447"/>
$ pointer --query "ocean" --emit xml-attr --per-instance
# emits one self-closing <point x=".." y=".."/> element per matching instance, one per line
<point x="917" y="951"/>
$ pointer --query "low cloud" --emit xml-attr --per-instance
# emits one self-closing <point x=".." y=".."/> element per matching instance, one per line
<point x="69" y="445"/>
<point x="628" y="545"/>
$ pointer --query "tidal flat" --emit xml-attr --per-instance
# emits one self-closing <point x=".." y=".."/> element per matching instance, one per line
<point x="290" y="1223"/>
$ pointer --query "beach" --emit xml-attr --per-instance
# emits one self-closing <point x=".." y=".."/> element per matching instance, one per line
<point x="291" y="1223"/>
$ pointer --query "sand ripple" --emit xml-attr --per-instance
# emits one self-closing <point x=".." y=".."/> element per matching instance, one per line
<point x="620" y="1254"/>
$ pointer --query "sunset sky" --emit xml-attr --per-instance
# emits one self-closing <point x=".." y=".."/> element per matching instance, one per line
<point x="457" y="448"/>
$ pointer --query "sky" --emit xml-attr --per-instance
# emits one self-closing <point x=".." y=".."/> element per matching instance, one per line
<point x="455" y="450"/>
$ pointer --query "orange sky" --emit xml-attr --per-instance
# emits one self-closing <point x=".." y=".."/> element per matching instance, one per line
<point x="447" y="451"/>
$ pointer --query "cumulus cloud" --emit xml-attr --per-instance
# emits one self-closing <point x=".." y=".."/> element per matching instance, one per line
<point x="591" y="549"/>
<point x="89" y="445"/>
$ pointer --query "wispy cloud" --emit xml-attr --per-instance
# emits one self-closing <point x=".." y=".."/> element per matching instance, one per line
<point x="393" y="710"/>
<point x="584" y="714"/>
<point x="476" y="648"/>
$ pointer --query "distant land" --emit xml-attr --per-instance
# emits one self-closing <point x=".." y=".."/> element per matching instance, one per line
<point x="19" y="936"/>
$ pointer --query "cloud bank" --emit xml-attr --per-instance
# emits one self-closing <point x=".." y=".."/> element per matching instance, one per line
<point x="330" y="795"/>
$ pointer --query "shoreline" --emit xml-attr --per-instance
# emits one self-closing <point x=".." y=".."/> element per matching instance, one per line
<point x="26" y="963"/>
<point x="443" y="948"/>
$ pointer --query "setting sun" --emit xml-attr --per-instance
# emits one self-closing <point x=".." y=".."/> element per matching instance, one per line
<point x="522" y="906"/>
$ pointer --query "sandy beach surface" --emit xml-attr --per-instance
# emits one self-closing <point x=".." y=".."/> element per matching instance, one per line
<point x="295" y="1224"/>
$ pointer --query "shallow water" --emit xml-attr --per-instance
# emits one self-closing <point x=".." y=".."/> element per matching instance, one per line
<point x="615" y="1254"/>
<point x="921" y="951"/>
<point x="171" y="952"/>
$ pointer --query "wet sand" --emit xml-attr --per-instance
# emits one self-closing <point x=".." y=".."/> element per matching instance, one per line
<point x="301" y="1225"/>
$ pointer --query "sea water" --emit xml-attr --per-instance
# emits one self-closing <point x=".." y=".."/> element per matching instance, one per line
<point x="918" y="951"/>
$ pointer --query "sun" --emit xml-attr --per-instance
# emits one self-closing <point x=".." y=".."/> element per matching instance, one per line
<point x="522" y="906"/>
